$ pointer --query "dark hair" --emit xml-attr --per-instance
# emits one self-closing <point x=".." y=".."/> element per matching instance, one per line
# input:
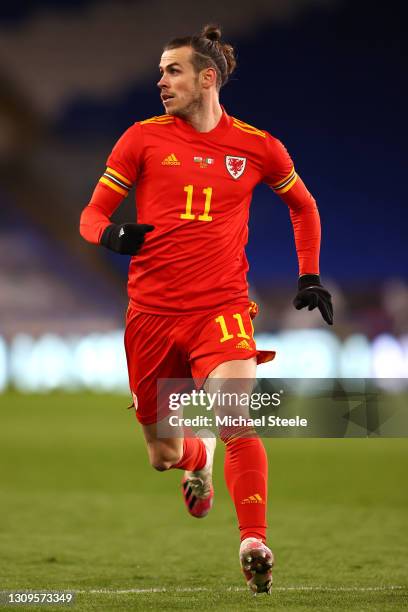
<point x="208" y="52"/>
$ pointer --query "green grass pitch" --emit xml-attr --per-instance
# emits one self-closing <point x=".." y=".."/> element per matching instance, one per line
<point x="81" y="509"/>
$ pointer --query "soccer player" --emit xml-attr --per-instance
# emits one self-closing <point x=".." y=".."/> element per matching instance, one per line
<point x="195" y="168"/>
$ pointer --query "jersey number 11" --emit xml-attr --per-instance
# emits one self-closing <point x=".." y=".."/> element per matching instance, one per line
<point x="189" y="204"/>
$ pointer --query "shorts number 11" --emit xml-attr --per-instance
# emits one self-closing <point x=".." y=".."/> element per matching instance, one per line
<point x="227" y="336"/>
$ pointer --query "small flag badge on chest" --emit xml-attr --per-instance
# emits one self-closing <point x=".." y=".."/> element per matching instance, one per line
<point x="204" y="162"/>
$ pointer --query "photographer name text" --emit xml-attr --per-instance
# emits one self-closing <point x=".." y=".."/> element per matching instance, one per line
<point x="237" y="421"/>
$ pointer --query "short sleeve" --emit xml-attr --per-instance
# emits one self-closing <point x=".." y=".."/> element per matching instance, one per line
<point x="279" y="170"/>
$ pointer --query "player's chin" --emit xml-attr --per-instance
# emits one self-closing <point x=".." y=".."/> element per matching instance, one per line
<point x="169" y="106"/>
<point x="176" y="111"/>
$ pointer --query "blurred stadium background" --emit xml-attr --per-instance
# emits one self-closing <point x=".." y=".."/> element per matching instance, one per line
<point x="322" y="75"/>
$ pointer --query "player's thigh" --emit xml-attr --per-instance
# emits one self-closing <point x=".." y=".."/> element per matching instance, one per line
<point x="236" y="368"/>
<point x="226" y="356"/>
<point x="232" y="382"/>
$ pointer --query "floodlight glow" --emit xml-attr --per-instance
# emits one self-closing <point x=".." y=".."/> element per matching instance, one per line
<point x="388" y="357"/>
<point x="301" y="354"/>
<point x="23" y="369"/>
<point x="97" y="361"/>
<point x="3" y="365"/>
<point x="100" y="362"/>
<point x="355" y="358"/>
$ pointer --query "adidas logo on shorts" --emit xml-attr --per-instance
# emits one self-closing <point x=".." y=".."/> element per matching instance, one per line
<point x="243" y="345"/>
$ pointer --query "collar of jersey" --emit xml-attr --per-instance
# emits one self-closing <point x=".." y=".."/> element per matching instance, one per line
<point x="222" y="126"/>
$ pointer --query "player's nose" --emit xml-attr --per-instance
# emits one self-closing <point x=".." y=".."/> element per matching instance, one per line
<point x="162" y="83"/>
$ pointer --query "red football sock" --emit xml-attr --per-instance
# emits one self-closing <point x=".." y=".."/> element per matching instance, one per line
<point x="246" y="476"/>
<point x="194" y="455"/>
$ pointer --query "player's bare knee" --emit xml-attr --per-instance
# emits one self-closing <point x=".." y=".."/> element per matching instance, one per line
<point x="160" y="465"/>
<point x="164" y="458"/>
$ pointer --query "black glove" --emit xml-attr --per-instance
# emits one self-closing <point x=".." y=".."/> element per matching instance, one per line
<point x="126" y="238"/>
<point x="311" y="293"/>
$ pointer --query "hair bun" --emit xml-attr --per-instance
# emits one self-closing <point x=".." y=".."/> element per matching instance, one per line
<point x="208" y="52"/>
<point x="212" y="32"/>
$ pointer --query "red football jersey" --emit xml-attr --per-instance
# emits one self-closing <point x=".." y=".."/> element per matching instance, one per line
<point x="196" y="189"/>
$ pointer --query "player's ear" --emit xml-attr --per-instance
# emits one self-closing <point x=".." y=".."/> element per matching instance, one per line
<point x="208" y="77"/>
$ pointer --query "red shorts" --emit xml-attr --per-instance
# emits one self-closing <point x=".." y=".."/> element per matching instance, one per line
<point x="188" y="346"/>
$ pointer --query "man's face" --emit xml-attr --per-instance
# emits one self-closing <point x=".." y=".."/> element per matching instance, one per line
<point x="180" y="89"/>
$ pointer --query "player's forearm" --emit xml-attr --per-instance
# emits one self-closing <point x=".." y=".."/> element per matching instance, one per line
<point x="306" y="226"/>
<point x="95" y="217"/>
<point x="92" y="224"/>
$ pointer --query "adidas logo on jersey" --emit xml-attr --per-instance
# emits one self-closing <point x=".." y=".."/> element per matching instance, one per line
<point x="171" y="160"/>
<point x="253" y="499"/>
<point x="244" y="345"/>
